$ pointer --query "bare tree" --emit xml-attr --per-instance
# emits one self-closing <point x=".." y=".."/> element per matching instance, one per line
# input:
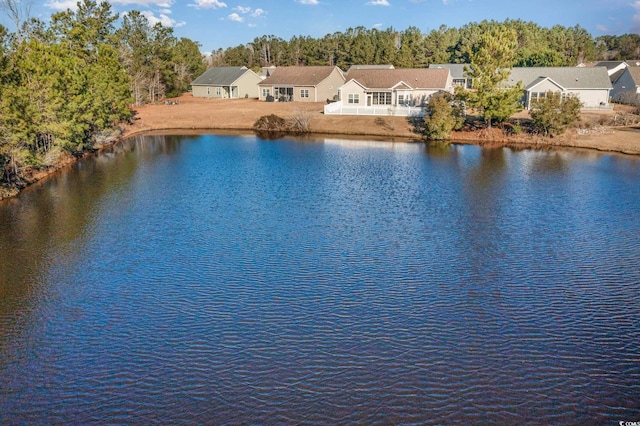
<point x="19" y="12"/>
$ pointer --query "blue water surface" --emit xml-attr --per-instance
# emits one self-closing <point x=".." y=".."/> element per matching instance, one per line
<point x="231" y="280"/>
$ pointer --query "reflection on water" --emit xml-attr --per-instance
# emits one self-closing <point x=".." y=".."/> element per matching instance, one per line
<point x="220" y="279"/>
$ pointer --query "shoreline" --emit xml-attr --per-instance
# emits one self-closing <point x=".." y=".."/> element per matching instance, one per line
<point x="200" y="116"/>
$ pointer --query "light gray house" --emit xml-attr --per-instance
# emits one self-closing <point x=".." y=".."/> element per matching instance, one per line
<point x="590" y="84"/>
<point x="226" y="82"/>
<point x="302" y="84"/>
<point x="457" y="73"/>
<point x="389" y="91"/>
<point x="626" y="89"/>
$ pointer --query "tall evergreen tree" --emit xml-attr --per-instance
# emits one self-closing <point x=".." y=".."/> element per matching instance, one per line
<point x="491" y="59"/>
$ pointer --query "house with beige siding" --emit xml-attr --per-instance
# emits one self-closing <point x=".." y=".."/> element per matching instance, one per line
<point x="302" y="84"/>
<point x="626" y="89"/>
<point x="390" y="91"/>
<point x="226" y="83"/>
<point x="591" y="85"/>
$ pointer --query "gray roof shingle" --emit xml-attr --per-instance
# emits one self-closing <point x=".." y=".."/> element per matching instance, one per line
<point x="567" y="77"/>
<point x="220" y="76"/>
<point x="457" y="70"/>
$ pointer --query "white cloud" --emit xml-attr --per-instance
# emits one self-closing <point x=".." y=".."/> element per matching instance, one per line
<point x="311" y="2"/>
<point x="208" y="4"/>
<point x="164" y="19"/>
<point x="376" y="26"/>
<point x="165" y="11"/>
<point x="62" y="5"/>
<point x="241" y="10"/>
<point x="379" y="3"/>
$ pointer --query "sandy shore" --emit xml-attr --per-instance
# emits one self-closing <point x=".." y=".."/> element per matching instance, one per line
<point x="239" y="114"/>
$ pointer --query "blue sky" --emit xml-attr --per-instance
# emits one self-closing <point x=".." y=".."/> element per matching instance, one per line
<point x="224" y="23"/>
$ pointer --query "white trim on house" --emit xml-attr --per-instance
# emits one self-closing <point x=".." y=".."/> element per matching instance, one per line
<point x="591" y="85"/>
<point x="398" y="98"/>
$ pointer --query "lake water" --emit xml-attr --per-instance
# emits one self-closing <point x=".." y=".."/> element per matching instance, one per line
<point x="228" y="279"/>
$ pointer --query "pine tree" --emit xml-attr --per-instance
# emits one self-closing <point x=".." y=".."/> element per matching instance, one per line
<point x="491" y="58"/>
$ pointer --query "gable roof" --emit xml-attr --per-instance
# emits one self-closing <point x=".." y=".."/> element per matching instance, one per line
<point x="540" y="80"/>
<point x="567" y="77"/>
<point x="616" y="75"/>
<point x="457" y="70"/>
<point x="610" y="65"/>
<point x="299" y="76"/>
<point x="414" y="78"/>
<point x="220" y="76"/>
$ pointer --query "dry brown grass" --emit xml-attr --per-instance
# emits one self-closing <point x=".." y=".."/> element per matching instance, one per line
<point x="198" y="114"/>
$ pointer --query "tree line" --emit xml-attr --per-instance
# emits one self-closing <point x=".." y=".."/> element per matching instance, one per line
<point x="67" y="83"/>
<point x="410" y="48"/>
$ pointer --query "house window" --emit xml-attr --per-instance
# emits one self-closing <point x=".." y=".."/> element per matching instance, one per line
<point x="381" y="98"/>
<point x="404" y="100"/>
<point x="304" y="93"/>
<point x="354" y="98"/>
<point x="218" y="91"/>
<point x="208" y="91"/>
<point x="459" y="82"/>
<point x="265" y="92"/>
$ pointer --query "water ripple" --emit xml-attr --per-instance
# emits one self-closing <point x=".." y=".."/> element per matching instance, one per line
<point x="221" y="281"/>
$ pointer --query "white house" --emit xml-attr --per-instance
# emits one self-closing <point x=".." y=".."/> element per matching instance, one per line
<point x="389" y="91"/>
<point x="590" y="84"/>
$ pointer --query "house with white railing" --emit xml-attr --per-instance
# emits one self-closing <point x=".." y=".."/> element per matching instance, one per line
<point x="401" y="92"/>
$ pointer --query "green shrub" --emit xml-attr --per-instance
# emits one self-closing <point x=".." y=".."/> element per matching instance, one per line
<point x="443" y="115"/>
<point x="553" y="114"/>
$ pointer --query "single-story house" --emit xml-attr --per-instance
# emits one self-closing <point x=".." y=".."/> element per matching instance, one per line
<point x="458" y="74"/>
<point x="302" y="84"/>
<point x="626" y="88"/>
<point x="590" y="84"/>
<point x="390" y="91"/>
<point x="226" y="82"/>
